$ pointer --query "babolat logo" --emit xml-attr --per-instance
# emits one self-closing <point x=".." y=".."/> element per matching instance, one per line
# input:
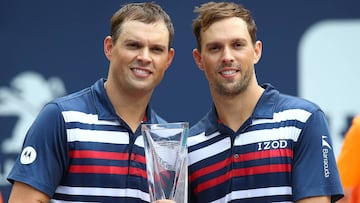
<point x="325" y="151"/>
<point x="325" y="142"/>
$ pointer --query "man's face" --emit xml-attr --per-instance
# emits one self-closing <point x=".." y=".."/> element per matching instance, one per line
<point x="228" y="56"/>
<point x="140" y="56"/>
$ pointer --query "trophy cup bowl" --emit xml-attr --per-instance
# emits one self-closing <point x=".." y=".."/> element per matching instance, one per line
<point x="166" y="160"/>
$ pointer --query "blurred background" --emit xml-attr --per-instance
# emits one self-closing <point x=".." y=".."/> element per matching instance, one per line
<point x="52" y="48"/>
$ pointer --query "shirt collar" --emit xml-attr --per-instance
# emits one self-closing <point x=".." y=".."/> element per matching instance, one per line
<point x="264" y="109"/>
<point x="105" y="110"/>
<point x="266" y="105"/>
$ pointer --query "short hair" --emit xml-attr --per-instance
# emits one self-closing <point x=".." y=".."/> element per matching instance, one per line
<point x="146" y="12"/>
<point x="211" y="12"/>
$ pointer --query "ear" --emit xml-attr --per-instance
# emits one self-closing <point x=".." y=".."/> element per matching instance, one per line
<point x="170" y="57"/>
<point x="257" y="51"/>
<point x="108" y="45"/>
<point x="197" y="58"/>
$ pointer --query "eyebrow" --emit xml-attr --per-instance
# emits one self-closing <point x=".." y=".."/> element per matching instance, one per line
<point x="232" y="41"/>
<point x="154" y="45"/>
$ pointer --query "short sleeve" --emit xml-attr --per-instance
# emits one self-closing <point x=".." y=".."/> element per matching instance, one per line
<point x="44" y="156"/>
<point x="314" y="168"/>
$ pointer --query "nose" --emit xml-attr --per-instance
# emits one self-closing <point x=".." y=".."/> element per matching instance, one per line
<point x="227" y="56"/>
<point x="144" y="55"/>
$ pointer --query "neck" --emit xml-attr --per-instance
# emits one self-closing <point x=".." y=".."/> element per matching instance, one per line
<point x="235" y="110"/>
<point x="128" y="106"/>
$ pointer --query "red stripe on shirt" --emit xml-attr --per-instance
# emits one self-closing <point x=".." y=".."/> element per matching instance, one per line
<point x="107" y="170"/>
<point x="243" y="157"/>
<point x="83" y="154"/>
<point x="265" y="154"/>
<point x="209" y="169"/>
<point x="98" y="155"/>
<point x="272" y="168"/>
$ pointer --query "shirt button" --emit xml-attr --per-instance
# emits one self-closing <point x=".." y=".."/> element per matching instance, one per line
<point x="236" y="156"/>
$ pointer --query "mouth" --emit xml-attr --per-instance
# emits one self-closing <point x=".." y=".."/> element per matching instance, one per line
<point x="141" y="72"/>
<point x="228" y="72"/>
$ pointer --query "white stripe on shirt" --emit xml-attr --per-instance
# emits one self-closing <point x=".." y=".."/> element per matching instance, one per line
<point x="77" y="116"/>
<point x="97" y="136"/>
<point x="283" y="133"/>
<point x="210" y="150"/>
<point x="97" y="191"/>
<point x="291" y="114"/>
<point x="252" y="193"/>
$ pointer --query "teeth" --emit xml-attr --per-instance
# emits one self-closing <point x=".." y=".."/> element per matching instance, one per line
<point x="228" y="72"/>
<point x="140" y="71"/>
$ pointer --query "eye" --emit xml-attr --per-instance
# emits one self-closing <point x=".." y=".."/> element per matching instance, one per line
<point x="133" y="45"/>
<point x="213" y="48"/>
<point x="158" y="49"/>
<point x="238" y="45"/>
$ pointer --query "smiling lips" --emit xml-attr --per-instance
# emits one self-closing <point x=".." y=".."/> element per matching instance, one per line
<point x="141" y="72"/>
<point x="228" y="72"/>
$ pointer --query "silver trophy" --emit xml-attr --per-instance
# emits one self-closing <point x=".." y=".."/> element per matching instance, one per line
<point x="166" y="160"/>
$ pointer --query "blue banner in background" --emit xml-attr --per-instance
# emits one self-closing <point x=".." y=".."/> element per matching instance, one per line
<point x="52" y="48"/>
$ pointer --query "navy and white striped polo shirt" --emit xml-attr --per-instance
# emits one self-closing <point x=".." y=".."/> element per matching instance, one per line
<point x="282" y="153"/>
<point x="79" y="150"/>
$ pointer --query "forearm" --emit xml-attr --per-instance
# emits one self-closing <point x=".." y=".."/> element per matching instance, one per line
<point x="23" y="193"/>
<point x="319" y="199"/>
